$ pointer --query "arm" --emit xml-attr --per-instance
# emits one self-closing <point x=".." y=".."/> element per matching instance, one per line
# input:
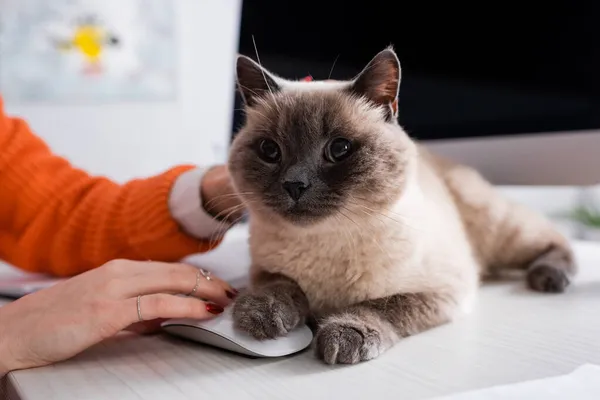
<point x="57" y="219"/>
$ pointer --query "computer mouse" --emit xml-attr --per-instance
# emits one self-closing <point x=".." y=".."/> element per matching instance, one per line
<point x="220" y="332"/>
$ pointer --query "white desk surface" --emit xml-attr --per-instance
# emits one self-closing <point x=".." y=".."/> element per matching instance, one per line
<point x="513" y="335"/>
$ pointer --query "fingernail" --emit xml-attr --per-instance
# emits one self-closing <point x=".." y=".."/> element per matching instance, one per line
<point x="231" y="293"/>
<point x="214" y="308"/>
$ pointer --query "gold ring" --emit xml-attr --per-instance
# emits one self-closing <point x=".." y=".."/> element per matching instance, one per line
<point x="139" y="309"/>
<point x="197" y="284"/>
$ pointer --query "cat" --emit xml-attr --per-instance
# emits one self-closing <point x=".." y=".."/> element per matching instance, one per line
<point x="357" y="226"/>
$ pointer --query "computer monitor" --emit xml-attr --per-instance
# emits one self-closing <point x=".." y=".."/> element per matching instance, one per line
<point x="511" y="90"/>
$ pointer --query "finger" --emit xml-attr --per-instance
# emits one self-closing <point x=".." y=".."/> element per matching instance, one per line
<point x="166" y="306"/>
<point x="146" y="327"/>
<point x="177" y="278"/>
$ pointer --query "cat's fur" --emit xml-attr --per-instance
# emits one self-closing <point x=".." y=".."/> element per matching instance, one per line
<point x="387" y="243"/>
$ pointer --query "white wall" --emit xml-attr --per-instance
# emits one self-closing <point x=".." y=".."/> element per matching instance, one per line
<point x="128" y="140"/>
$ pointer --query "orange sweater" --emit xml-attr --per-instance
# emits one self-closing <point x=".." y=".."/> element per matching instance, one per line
<point x="57" y="219"/>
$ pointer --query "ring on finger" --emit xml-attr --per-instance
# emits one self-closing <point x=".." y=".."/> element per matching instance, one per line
<point x="196" y="285"/>
<point x="139" y="308"/>
<point x="205" y="274"/>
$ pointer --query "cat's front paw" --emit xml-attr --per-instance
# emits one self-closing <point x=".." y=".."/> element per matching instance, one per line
<point x="265" y="315"/>
<point x="348" y="341"/>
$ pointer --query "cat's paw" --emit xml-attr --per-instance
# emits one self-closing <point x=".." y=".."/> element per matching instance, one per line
<point x="551" y="271"/>
<point x="265" y="315"/>
<point x="347" y="342"/>
<point x="546" y="278"/>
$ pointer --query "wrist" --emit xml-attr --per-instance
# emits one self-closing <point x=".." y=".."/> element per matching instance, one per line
<point x="218" y="196"/>
<point x="4" y="367"/>
<point x="210" y="196"/>
<point x="8" y="362"/>
<point x="189" y="209"/>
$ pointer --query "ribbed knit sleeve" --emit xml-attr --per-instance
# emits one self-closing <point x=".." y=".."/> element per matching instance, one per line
<point x="58" y="219"/>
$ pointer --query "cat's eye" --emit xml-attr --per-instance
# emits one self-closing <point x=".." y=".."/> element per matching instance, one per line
<point x="269" y="151"/>
<point x="338" y="149"/>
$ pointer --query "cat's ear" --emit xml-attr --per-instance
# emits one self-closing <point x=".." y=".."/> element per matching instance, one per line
<point x="253" y="80"/>
<point x="379" y="82"/>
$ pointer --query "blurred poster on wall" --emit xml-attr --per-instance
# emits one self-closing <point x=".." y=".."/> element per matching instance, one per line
<point x="87" y="50"/>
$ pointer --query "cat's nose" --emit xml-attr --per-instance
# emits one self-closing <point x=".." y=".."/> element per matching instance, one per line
<point x="295" y="189"/>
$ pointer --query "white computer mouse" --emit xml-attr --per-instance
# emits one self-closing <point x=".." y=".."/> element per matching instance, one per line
<point x="220" y="332"/>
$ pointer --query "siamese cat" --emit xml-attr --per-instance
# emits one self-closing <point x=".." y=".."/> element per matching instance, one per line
<point x="358" y="227"/>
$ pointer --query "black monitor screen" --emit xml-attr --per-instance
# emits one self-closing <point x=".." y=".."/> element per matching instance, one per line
<point x="468" y="69"/>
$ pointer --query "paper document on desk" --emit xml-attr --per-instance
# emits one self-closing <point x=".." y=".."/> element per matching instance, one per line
<point x="581" y="384"/>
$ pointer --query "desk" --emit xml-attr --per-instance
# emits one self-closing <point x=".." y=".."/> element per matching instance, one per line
<point x="513" y="335"/>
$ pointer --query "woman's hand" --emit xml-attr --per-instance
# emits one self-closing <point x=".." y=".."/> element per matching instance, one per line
<point x="57" y="323"/>
<point x="219" y="197"/>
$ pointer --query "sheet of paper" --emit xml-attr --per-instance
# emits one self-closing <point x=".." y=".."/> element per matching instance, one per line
<point x="581" y="384"/>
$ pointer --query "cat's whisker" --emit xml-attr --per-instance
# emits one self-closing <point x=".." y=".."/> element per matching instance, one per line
<point x="261" y="114"/>
<point x="248" y="89"/>
<point x="254" y="110"/>
<point x="357" y="225"/>
<point x="350" y="219"/>
<point x="367" y="200"/>
<point x="363" y="207"/>
<point x="332" y="67"/>
<point x="266" y="104"/>
<point x="348" y="235"/>
<point x="408" y="218"/>
<point x="353" y="247"/>
<point x="263" y="73"/>
<point x="224" y="224"/>
<point x="367" y="221"/>
<point x="375" y="213"/>
<point x="222" y="230"/>
<point x="227" y="196"/>
<point x="374" y="239"/>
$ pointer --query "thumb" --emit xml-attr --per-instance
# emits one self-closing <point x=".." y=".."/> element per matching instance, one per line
<point x="146" y="327"/>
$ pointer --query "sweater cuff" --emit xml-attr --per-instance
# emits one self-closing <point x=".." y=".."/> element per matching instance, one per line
<point x="186" y="206"/>
<point x="153" y="232"/>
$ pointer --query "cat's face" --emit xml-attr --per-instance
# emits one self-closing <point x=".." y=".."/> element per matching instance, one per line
<point x="314" y="150"/>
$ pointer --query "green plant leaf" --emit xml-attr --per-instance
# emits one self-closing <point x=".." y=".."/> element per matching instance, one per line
<point x="587" y="216"/>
